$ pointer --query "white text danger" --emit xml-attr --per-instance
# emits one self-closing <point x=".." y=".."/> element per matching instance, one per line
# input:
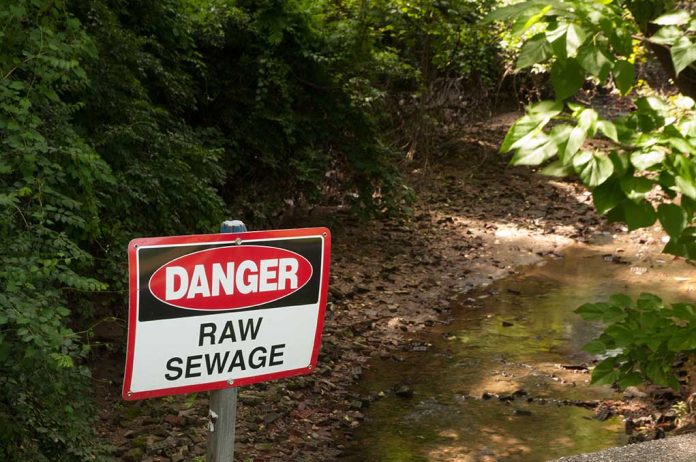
<point x="229" y="278"/>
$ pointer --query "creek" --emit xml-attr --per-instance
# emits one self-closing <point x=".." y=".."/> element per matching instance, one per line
<point x="504" y="377"/>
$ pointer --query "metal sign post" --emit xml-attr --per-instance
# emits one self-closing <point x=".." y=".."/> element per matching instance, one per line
<point x="222" y="414"/>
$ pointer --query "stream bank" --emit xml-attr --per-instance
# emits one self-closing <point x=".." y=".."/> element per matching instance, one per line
<point x="476" y="220"/>
<point x="504" y="377"/>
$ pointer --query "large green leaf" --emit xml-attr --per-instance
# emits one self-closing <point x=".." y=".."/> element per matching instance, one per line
<point x="636" y="188"/>
<point x="621" y="40"/>
<point x="609" y="130"/>
<point x="512" y="11"/>
<point x="575" y="141"/>
<point x="621" y="335"/>
<point x="639" y="215"/>
<point x="595" y="61"/>
<point x="672" y="218"/>
<point x="624" y="75"/>
<point x="527" y="127"/>
<point x="683" y="54"/>
<point x="527" y="19"/>
<point x="567" y="76"/>
<point x="685" y="186"/>
<point x="594" y="169"/>
<point x="666" y="35"/>
<point x="675" y="18"/>
<point x="519" y="130"/>
<point x="535" y="154"/>
<point x="557" y="168"/>
<point x="535" y="50"/>
<point x="605" y="373"/>
<point x="607" y="196"/>
<point x="592" y="311"/>
<point x="575" y="36"/>
<point x="689" y="206"/>
<point x="645" y="160"/>
<point x="595" y="347"/>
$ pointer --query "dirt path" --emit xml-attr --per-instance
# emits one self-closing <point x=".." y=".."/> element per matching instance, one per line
<point x="476" y="219"/>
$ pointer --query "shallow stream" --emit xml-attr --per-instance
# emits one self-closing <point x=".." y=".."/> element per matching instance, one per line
<point x="491" y="383"/>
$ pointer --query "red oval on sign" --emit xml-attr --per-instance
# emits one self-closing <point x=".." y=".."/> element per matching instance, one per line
<point x="226" y="278"/>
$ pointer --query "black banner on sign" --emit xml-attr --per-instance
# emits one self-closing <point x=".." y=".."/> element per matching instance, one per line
<point x="150" y="259"/>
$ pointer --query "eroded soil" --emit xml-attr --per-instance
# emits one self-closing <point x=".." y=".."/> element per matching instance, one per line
<point x="475" y="220"/>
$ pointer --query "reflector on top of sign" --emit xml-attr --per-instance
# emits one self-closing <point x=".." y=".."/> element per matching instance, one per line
<point x="213" y="311"/>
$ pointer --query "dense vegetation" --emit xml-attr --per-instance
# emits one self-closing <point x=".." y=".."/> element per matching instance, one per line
<point x="131" y="118"/>
<point x="639" y="165"/>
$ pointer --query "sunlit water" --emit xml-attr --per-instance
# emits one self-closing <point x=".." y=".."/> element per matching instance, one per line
<point x="446" y="419"/>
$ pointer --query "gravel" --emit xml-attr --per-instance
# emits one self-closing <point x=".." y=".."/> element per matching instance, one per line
<point x="676" y="449"/>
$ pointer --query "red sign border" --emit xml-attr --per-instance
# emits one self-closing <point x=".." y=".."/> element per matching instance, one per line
<point x="211" y="239"/>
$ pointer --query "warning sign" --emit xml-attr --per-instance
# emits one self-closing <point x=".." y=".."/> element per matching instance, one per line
<point x="213" y="311"/>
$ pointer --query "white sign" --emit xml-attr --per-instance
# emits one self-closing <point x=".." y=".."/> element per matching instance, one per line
<point x="213" y="311"/>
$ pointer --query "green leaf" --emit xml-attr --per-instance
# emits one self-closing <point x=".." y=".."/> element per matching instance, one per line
<point x="689" y="206"/>
<point x="645" y="160"/>
<point x="613" y="314"/>
<point x="596" y="170"/>
<point x="678" y="247"/>
<point x="683" y="54"/>
<point x="685" y="186"/>
<point x="681" y="341"/>
<point x="609" y="130"/>
<point x="622" y="164"/>
<point x="621" y="300"/>
<point x="624" y="75"/>
<point x="546" y="108"/>
<point x="559" y="134"/>
<point x="630" y="379"/>
<point x="575" y="141"/>
<point x="534" y="154"/>
<point x="528" y="126"/>
<point x="529" y="19"/>
<point x="524" y="127"/>
<point x="510" y="11"/>
<point x="535" y="50"/>
<point x="595" y="347"/>
<point x="620" y="334"/>
<point x="685" y="311"/>
<point x="604" y="372"/>
<point x="675" y="18"/>
<point x="607" y="196"/>
<point x="575" y="36"/>
<point x="639" y="215"/>
<point x="655" y="372"/>
<point x="672" y="218"/>
<point x="666" y="35"/>
<point x="592" y="311"/>
<point x="567" y="76"/>
<point x="636" y="188"/>
<point x="595" y="61"/>
<point x="587" y="119"/>
<point x="621" y="41"/>
<point x="557" y="168"/>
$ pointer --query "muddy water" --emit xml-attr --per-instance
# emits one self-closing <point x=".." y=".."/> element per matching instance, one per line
<point x="511" y="338"/>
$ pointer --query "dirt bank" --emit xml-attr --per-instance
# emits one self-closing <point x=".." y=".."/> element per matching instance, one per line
<point x="476" y="219"/>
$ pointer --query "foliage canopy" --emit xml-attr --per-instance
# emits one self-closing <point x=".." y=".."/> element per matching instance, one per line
<point x="639" y="166"/>
<point x="158" y="117"/>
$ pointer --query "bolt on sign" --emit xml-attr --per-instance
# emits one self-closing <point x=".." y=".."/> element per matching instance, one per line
<point x="212" y="311"/>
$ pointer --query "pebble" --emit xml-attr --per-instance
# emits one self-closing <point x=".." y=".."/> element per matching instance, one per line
<point x="633" y="392"/>
<point x="403" y="391"/>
